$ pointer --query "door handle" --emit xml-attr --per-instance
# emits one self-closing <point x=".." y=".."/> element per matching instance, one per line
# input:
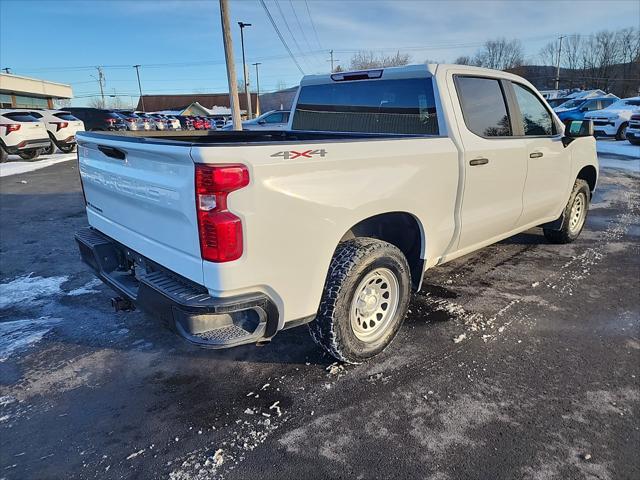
<point x="112" y="152"/>
<point x="535" y="155"/>
<point x="478" y="161"/>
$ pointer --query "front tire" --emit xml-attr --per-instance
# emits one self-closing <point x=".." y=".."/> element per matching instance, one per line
<point x="622" y="131"/>
<point x="365" y="300"/>
<point x="50" y="149"/>
<point x="574" y="215"/>
<point x="67" y="148"/>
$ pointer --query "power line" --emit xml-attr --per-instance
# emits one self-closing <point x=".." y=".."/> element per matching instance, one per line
<point x="275" y="27"/>
<point x="304" y="36"/>
<point x="313" y="25"/>
<point x="286" y="24"/>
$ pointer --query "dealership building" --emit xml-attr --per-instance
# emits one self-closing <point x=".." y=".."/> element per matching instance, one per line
<point x="25" y="92"/>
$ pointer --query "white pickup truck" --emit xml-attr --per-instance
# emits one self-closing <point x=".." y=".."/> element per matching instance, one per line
<point x="231" y="237"/>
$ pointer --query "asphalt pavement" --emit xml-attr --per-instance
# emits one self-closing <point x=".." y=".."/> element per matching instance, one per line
<point x="521" y="360"/>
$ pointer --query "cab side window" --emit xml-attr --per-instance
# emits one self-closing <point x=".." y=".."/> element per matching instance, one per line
<point x="274" y="118"/>
<point x="536" y="119"/>
<point x="483" y="106"/>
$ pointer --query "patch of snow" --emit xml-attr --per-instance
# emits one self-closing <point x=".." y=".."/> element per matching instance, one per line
<point x="618" y="147"/>
<point x="20" y="334"/>
<point x="29" y="290"/>
<point x="18" y="167"/>
<point x="460" y="338"/>
<point x="135" y="454"/>
<point x="218" y="459"/>
<point x="87" y="288"/>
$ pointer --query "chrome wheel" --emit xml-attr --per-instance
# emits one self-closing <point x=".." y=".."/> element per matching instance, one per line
<point x="374" y="304"/>
<point x="578" y="213"/>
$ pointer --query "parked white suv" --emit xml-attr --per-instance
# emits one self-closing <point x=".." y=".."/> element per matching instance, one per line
<point x="62" y="128"/>
<point x="21" y="134"/>
<point x="614" y="120"/>
<point x="381" y="175"/>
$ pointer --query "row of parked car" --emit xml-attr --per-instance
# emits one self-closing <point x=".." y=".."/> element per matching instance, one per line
<point x="611" y="116"/>
<point x="29" y="133"/>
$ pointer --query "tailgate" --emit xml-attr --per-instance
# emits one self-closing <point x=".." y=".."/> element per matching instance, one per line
<point x="142" y="195"/>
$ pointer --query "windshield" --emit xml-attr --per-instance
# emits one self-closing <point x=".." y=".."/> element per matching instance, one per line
<point x="572" y="104"/>
<point x="622" y="104"/>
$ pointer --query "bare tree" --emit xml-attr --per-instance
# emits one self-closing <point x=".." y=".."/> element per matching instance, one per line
<point x="500" y="54"/>
<point x="364" y="60"/>
<point x="464" y="60"/>
<point x="96" y="102"/>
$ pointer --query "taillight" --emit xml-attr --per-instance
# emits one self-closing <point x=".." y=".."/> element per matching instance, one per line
<point x="11" y="127"/>
<point x="111" y="120"/>
<point x="60" y="125"/>
<point x="220" y="230"/>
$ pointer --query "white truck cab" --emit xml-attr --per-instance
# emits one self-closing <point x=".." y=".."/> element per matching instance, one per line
<point x="233" y="236"/>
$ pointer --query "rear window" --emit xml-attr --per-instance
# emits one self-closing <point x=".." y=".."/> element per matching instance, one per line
<point x="65" y="116"/>
<point x="20" y="117"/>
<point x="404" y="106"/>
<point x="112" y="115"/>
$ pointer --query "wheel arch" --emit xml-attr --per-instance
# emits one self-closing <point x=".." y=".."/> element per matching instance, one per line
<point x="401" y="229"/>
<point x="589" y="174"/>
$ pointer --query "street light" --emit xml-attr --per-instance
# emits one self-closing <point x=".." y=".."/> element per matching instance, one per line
<point x="244" y="69"/>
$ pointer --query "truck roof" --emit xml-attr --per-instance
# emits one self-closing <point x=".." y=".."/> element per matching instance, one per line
<point x="408" y="71"/>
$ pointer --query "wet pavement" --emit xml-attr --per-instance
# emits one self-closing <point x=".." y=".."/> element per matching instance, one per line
<point x="521" y="360"/>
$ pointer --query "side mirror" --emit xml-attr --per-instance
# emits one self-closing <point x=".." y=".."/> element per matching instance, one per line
<point x="261" y="122"/>
<point x="584" y="109"/>
<point x="575" y="129"/>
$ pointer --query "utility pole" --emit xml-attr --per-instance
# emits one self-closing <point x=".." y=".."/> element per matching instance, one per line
<point x="333" y="61"/>
<point x="139" y="85"/>
<point x="100" y="79"/>
<point x="244" y="69"/>
<point x="558" y="62"/>
<point x="231" y="66"/>
<point x="257" y="78"/>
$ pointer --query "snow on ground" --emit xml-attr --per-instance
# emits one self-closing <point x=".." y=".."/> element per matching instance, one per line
<point x="15" y="166"/>
<point x="88" y="288"/>
<point x="28" y="290"/>
<point x="618" y="148"/>
<point x="19" y="334"/>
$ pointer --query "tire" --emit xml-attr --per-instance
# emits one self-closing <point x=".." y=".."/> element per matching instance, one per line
<point x="634" y="141"/>
<point x="574" y="215"/>
<point x="50" y="150"/>
<point x="622" y="131"/>
<point x="365" y="300"/>
<point x="4" y="156"/>
<point x="30" y="154"/>
<point x="67" y="148"/>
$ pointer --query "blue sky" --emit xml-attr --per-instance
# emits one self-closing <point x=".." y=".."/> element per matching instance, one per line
<point x="179" y="43"/>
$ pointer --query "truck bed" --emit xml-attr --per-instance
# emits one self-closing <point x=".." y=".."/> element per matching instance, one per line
<point x="246" y="137"/>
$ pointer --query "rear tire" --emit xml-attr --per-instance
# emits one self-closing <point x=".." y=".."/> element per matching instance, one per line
<point x="365" y="299"/>
<point x="30" y="154"/>
<point x="4" y="156"/>
<point x="622" y="131"/>
<point x="574" y="215"/>
<point x="634" y="141"/>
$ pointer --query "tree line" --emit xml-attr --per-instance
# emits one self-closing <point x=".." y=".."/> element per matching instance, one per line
<point x="609" y="60"/>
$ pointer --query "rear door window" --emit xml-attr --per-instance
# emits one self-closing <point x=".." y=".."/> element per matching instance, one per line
<point x="536" y="119"/>
<point x="484" y="107"/>
<point x="21" y="117"/>
<point x="402" y="106"/>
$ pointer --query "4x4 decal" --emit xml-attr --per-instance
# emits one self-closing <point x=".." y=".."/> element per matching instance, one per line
<point x="291" y="154"/>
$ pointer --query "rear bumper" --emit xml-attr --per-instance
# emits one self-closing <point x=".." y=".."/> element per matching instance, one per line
<point x="204" y="320"/>
<point x="28" y="145"/>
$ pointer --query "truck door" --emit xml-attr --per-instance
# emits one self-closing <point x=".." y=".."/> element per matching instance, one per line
<point x="494" y="161"/>
<point x="548" y="163"/>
